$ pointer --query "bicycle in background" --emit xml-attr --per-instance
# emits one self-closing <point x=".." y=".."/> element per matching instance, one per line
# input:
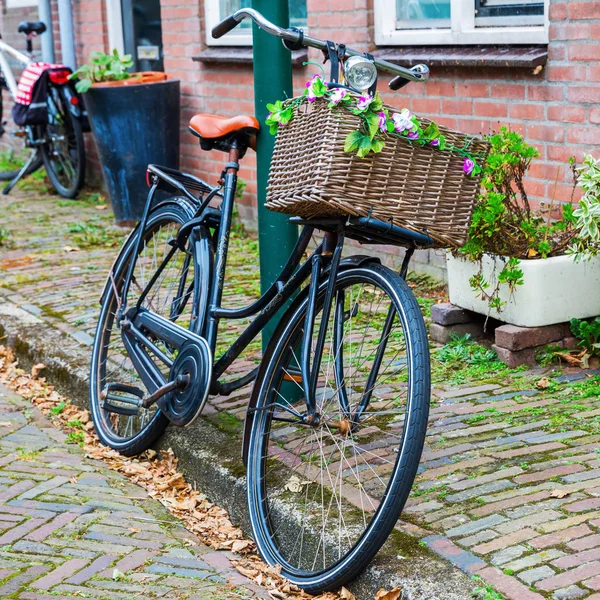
<point x="50" y="117"/>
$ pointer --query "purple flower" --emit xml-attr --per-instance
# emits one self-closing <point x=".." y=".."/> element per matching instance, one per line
<point x="468" y="166"/>
<point x="311" y="96"/>
<point x="403" y="120"/>
<point x="435" y="143"/>
<point x="413" y="135"/>
<point x="363" y="102"/>
<point x="382" y="121"/>
<point x="338" y="95"/>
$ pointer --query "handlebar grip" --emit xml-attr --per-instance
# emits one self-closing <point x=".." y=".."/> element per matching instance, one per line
<point x="225" y="26"/>
<point x="398" y="82"/>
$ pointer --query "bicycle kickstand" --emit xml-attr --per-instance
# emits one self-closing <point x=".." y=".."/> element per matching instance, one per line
<point x="11" y="184"/>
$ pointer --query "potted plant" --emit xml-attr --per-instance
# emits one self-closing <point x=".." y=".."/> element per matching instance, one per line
<point x="520" y="265"/>
<point x="135" y="122"/>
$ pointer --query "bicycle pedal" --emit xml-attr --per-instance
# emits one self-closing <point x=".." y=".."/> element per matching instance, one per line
<point x="20" y="133"/>
<point x="122" y="399"/>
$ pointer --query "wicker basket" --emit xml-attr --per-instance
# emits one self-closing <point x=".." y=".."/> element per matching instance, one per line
<point x="421" y="188"/>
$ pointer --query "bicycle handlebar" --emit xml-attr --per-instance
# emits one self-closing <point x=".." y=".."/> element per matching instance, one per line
<point x="403" y="75"/>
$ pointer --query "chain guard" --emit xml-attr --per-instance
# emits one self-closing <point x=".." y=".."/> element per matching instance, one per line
<point x="184" y="405"/>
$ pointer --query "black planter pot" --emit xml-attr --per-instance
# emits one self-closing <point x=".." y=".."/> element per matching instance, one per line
<point x="134" y="126"/>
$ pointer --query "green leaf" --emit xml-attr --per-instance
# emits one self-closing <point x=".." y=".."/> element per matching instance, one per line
<point x="353" y="141"/>
<point x="364" y="147"/>
<point x="377" y="145"/>
<point x="319" y="87"/>
<point x="83" y="85"/>
<point x="372" y="120"/>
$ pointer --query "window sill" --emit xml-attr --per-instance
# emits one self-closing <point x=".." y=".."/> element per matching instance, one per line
<point x="240" y="55"/>
<point x="467" y="56"/>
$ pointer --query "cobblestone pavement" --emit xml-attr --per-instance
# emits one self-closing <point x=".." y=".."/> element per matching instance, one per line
<point x="509" y="485"/>
<point x="71" y="527"/>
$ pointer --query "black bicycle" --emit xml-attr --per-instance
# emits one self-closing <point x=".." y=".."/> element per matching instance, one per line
<point x="337" y="418"/>
<point x="58" y="143"/>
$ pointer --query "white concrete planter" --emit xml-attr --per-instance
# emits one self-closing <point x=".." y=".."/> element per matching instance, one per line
<point x="555" y="290"/>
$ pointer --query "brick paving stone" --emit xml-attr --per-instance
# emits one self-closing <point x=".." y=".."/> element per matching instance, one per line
<point x="532" y="560"/>
<point x="507" y="554"/>
<point x="580" y="558"/>
<point x="509" y="586"/>
<point x="482" y="536"/>
<point x="507" y="540"/>
<point x="569" y="593"/>
<point x="530" y="520"/>
<point x="482" y="490"/>
<point x="59" y="575"/>
<point x="465" y="561"/>
<point x="501" y="474"/>
<point x="560" y="537"/>
<point x="475" y="526"/>
<point x="581" y="505"/>
<point x="495" y="507"/>
<point x="561" y="524"/>
<point x="549" y="473"/>
<point x="585" y="543"/>
<point x="458" y="466"/>
<point x="98" y="565"/>
<point x="41" y="533"/>
<point x="532" y="575"/>
<point x="561" y="580"/>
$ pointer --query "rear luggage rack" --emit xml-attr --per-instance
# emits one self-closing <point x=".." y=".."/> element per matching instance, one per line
<point x="370" y="231"/>
<point x="187" y="184"/>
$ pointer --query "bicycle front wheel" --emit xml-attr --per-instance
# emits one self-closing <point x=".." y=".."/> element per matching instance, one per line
<point x="64" y="152"/>
<point x="324" y="498"/>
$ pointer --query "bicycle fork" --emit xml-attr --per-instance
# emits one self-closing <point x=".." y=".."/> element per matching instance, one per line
<point x="330" y="255"/>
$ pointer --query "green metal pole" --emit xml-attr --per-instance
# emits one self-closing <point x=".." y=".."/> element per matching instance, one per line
<point x="272" y="81"/>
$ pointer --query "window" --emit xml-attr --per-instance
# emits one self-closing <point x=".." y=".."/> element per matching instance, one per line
<point x="410" y="22"/>
<point x="20" y="3"/>
<point x="217" y="10"/>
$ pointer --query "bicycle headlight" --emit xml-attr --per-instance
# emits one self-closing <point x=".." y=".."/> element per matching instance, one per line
<point x="360" y="72"/>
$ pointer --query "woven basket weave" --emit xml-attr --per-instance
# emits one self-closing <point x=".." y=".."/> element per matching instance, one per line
<point x="420" y="188"/>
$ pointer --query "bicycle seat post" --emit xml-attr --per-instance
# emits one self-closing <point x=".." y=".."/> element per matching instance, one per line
<point x="30" y="45"/>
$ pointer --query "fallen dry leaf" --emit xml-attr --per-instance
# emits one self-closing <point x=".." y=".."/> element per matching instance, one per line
<point x="295" y="484"/>
<point x="70" y="248"/>
<point x="385" y="595"/>
<point x="347" y="594"/>
<point x="542" y="383"/>
<point x="35" y="370"/>
<point x="101" y="207"/>
<point x="560" y="493"/>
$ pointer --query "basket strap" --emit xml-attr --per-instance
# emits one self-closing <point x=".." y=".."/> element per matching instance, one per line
<point x="332" y="55"/>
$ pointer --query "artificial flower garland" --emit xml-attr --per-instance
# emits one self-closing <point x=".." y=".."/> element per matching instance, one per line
<point x="377" y="124"/>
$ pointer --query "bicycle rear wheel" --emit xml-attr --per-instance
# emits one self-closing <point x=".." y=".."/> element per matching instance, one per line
<point x="64" y="152"/>
<point x="173" y="295"/>
<point x="323" y="498"/>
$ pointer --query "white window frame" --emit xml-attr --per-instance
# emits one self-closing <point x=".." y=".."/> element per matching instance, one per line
<point x="463" y="28"/>
<point x="237" y="37"/>
<point x="20" y="3"/>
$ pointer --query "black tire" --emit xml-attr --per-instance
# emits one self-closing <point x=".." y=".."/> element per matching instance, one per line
<point x="284" y="518"/>
<point x="64" y="152"/>
<point x="141" y="431"/>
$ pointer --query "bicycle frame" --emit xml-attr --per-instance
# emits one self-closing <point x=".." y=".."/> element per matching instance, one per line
<point x="137" y="320"/>
<point x="9" y="77"/>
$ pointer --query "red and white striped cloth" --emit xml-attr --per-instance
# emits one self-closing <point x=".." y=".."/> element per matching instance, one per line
<point x="30" y="75"/>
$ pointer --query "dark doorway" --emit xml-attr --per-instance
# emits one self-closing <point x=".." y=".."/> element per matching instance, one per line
<point x="142" y="34"/>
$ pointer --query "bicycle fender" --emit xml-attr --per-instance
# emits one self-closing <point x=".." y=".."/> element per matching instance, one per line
<point x="130" y="241"/>
<point x="350" y="262"/>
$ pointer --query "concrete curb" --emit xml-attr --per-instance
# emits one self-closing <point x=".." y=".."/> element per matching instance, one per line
<point x="211" y="458"/>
